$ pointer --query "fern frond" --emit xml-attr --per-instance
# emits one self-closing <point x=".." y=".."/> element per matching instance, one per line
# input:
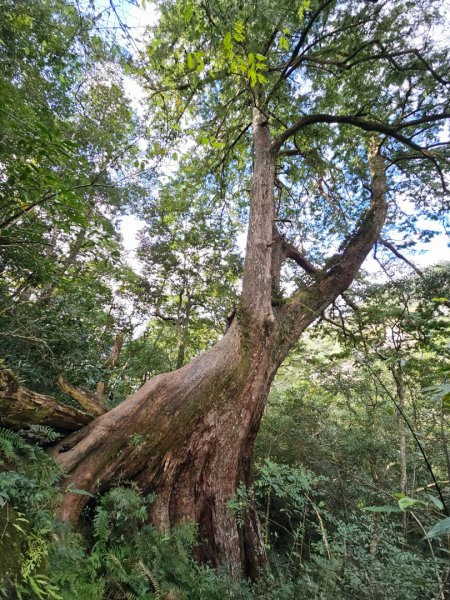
<point x="12" y="444"/>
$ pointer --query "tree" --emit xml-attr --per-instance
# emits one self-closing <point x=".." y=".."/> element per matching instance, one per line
<point x="189" y="261"/>
<point x="63" y="120"/>
<point x="346" y="106"/>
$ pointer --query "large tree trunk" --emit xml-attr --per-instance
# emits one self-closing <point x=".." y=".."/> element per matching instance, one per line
<point x="188" y="435"/>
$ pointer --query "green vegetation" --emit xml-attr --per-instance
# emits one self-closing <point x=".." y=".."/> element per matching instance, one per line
<point x="349" y="474"/>
<point x="328" y="488"/>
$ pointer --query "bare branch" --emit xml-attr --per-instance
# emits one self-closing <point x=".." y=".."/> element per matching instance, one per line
<point x="85" y="398"/>
<point x="350" y="302"/>
<point x="398" y="254"/>
<point x="372" y="126"/>
<point x="294" y="254"/>
<point x="159" y="315"/>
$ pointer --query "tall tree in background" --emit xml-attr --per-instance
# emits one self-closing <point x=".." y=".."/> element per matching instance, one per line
<point x="66" y="128"/>
<point x="325" y="120"/>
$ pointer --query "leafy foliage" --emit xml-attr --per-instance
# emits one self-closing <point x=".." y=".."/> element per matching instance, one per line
<point x="28" y="498"/>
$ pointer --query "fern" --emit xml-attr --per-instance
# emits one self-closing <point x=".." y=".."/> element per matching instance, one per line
<point x="156" y="586"/>
<point x="40" y="434"/>
<point x="102" y="526"/>
<point x="13" y="447"/>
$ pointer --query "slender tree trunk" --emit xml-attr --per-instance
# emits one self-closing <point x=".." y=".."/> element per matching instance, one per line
<point x="183" y="333"/>
<point x="398" y="378"/>
<point x="110" y="363"/>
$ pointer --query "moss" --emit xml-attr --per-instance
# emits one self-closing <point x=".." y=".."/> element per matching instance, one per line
<point x="243" y="319"/>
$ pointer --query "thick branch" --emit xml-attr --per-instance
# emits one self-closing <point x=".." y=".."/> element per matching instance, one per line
<point x="294" y="254"/>
<point x="20" y="406"/>
<point x="372" y="126"/>
<point x="159" y="315"/>
<point x="85" y="398"/>
<point x="384" y="54"/>
<point x="110" y="363"/>
<point x="307" y="305"/>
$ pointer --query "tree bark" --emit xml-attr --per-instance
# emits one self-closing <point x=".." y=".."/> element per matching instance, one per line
<point x="110" y="364"/>
<point x="89" y="401"/>
<point x="20" y="406"/>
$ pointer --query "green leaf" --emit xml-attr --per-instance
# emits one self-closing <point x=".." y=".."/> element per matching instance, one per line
<point x="383" y="509"/>
<point x="405" y="502"/>
<point x="283" y="43"/>
<point x="188" y="12"/>
<point x="304" y="6"/>
<point x="435" y="501"/>
<point x="441" y="528"/>
<point x="35" y="587"/>
<point x="228" y="42"/>
<point x="190" y="60"/>
<point x="80" y="492"/>
<point x="239" y="31"/>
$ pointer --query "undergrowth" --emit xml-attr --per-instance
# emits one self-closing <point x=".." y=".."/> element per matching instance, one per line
<point x="119" y="556"/>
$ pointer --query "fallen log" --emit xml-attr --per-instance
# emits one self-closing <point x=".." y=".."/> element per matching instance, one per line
<point x="20" y="406"/>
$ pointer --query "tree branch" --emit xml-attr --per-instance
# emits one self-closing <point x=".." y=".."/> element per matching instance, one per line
<point x="371" y="126"/>
<point x="85" y="398"/>
<point x="398" y="254"/>
<point x="159" y="315"/>
<point x="309" y="303"/>
<point x="294" y="254"/>
<point x="298" y="46"/>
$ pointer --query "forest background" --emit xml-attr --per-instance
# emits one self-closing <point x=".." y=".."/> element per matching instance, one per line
<point x="351" y="463"/>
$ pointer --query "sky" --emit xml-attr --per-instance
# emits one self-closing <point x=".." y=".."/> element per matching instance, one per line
<point x="137" y="18"/>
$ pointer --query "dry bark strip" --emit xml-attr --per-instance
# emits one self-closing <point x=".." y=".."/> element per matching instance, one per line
<point x="89" y="401"/>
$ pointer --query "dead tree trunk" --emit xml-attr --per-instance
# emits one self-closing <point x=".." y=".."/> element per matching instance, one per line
<point x="20" y="406"/>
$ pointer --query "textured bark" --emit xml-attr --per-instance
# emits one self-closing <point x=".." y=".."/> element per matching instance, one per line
<point x="183" y="333"/>
<point x="257" y="279"/>
<point x="20" y="406"/>
<point x="110" y="364"/>
<point x="188" y="437"/>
